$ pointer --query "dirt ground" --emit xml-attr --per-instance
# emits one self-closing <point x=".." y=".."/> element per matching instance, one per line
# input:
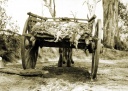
<point x="112" y="76"/>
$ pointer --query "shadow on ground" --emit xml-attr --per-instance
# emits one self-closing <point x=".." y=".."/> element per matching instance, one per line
<point x="72" y="74"/>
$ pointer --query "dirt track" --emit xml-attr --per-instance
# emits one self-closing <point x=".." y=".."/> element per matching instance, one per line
<point x="112" y="76"/>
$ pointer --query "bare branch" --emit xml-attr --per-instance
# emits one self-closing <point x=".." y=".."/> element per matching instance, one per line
<point x="74" y="15"/>
<point x="50" y="2"/>
<point x="49" y="6"/>
<point x="86" y="2"/>
<point x="54" y="8"/>
<point x="91" y="6"/>
<point x="98" y="1"/>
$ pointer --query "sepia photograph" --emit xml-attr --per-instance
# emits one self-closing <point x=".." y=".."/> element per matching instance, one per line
<point x="63" y="45"/>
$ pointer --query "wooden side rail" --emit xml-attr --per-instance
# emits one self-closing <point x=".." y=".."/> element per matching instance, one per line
<point x="37" y="16"/>
<point x="92" y="18"/>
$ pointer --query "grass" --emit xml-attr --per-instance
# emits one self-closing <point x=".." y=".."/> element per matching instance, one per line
<point x="109" y="54"/>
<point x="112" y="54"/>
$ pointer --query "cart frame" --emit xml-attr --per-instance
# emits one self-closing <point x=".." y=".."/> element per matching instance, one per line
<point x="29" y="54"/>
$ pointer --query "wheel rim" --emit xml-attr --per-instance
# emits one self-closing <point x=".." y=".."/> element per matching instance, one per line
<point x="28" y="55"/>
<point x="95" y="54"/>
<point x="23" y="44"/>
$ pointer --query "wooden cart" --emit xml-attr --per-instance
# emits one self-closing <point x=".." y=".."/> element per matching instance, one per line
<point x="29" y="54"/>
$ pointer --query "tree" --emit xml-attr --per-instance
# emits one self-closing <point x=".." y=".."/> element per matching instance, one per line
<point x="123" y="18"/>
<point x="91" y="4"/>
<point x="123" y="13"/>
<point x="110" y="14"/>
<point x="9" y="42"/>
<point x="121" y="42"/>
<point x="3" y="15"/>
<point x="50" y="4"/>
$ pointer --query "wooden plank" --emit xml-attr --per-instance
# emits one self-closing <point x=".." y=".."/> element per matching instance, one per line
<point x="49" y="41"/>
<point x="92" y="18"/>
<point x="27" y="72"/>
<point x="37" y="16"/>
<point x="63" y="44"/>
<point x="48" y="37"/>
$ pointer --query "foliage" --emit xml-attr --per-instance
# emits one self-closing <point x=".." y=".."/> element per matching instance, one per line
<point x="10" y="47"/>
<point x="9" y="39"/>
<point x="6" y="20"/>
<point x="123" y="13"/>
<point x="3" y="15"/>
<point x="120" y="45"/>
<point x="123" y="18"/>
<point x="123" y="26"/>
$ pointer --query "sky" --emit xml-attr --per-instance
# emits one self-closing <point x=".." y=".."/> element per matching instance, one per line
<point x="64" y="8"/>
<point x="18" y="10"/>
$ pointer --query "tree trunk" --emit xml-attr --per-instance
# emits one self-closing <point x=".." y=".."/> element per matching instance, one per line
<point x="110" y="11"/>
<point x="52" y="10"/>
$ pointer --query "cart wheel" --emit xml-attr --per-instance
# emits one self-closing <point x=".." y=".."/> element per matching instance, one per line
<point x="28" y="53"/>
<point x="96" y="53"/>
